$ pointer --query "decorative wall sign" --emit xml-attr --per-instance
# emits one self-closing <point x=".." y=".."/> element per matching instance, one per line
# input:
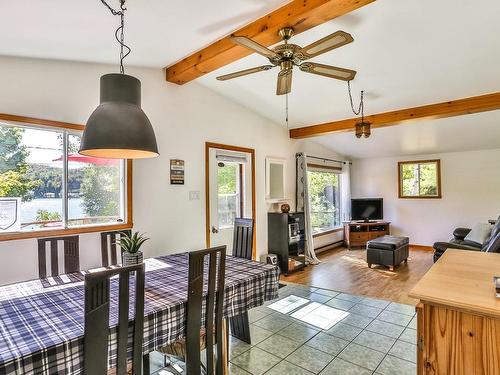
<point x="10" y="214"/>
<point x="176" y="172"/>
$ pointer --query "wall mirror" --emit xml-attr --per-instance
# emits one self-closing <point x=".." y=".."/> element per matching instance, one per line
<point x="275" y="179"/>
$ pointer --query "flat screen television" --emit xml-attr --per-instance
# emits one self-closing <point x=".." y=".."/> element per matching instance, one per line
<point x="367" y="209"/>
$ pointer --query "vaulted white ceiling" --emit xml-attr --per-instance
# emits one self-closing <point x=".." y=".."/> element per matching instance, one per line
<point x="407" y="53"/>
<point x="160" y="32"/>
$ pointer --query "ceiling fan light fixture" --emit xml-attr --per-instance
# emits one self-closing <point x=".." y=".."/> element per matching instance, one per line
<point x="287" y="55"/>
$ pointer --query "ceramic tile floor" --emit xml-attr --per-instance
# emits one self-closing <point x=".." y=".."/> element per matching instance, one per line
<point x="358" y="335"/>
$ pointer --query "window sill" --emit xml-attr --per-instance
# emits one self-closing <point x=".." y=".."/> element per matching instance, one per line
<point x="63" y="232"/>
<point x="328" y="231"/>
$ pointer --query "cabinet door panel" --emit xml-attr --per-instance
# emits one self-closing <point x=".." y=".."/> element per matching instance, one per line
<point x="459" y="343"/>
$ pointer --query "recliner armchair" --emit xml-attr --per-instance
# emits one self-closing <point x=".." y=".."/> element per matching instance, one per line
<point x="492" y="243"/>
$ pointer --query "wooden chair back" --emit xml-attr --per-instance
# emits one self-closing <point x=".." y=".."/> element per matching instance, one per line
<point x="242" y="248"/>
<point x="96" y="331"/>
<point x="71" y="254"/>
<point x="243" y="238"/>
<point x="213" y="309"/>
<point x="111" y="253"/>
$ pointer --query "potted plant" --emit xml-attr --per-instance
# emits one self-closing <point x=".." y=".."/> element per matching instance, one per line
<point x="130" y="245"/>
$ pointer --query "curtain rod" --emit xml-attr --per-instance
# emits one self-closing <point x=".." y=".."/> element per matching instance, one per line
<point x="326" y="159"/>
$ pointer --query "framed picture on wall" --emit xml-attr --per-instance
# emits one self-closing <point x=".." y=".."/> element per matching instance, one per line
<point x="176" y="172"/>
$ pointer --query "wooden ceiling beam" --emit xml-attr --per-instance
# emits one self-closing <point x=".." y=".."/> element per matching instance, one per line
<point x="302" y="15"/>
<point x="475" y="104"/>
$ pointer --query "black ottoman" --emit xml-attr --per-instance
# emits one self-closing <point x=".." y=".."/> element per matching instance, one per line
<point x="387" y="251"/>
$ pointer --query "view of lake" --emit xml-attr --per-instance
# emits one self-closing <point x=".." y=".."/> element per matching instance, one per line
<point x="29" y="209"/>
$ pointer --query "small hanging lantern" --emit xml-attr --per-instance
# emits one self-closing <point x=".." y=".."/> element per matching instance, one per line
<point x="362" y="128"/>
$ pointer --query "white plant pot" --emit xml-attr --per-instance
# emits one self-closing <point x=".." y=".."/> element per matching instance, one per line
<point x="130" y="259"/>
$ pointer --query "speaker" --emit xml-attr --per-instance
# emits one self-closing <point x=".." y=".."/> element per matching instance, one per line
<point x="269" y="259"/>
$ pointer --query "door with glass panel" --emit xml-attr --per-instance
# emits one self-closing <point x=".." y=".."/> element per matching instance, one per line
<point x="230" y="193"/>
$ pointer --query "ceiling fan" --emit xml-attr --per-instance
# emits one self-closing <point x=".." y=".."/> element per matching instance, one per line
<point x="286" y="56"/>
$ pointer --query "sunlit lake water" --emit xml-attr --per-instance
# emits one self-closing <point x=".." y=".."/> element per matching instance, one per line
<point x="29" y="209"/>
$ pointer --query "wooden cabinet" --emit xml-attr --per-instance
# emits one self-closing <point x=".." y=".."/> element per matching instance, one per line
<point x="458" y="316"/>
<point x="359" y="233"/>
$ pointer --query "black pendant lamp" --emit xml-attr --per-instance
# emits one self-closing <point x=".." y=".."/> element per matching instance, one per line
<point x="119" y="128"/>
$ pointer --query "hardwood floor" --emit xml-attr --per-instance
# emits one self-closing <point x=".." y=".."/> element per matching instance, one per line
<point x="347" y="271"/>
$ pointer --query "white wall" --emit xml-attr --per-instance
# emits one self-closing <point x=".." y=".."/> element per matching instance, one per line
<point x="470" y="188"/>
<point x="184" y="118"/>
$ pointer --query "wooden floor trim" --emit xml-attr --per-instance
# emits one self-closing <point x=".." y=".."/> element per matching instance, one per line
<point x="422" y="247"/>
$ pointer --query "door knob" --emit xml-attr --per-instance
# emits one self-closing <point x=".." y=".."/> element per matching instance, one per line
<point x="215" y="230"/>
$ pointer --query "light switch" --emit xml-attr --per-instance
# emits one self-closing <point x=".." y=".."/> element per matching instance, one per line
<point x="194" y="195"/>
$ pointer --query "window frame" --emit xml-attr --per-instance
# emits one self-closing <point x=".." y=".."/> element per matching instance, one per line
<point x="21" y="121"/>
<point x="240" y="207"/>
<point x="438" y="179"/>
<point x="338" y="171"/>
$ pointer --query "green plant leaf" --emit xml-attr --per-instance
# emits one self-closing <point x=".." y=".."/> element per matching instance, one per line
<point x="132" y="243"/>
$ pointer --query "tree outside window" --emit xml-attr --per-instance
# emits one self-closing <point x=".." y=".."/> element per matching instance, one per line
<point x="32" y="163"/>
<point x="229" y="193"/>
<point x="420" y="179"/>
<point x="324" y="195"/>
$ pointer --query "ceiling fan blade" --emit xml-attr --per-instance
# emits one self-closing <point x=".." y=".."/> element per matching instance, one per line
<point x="284" y="82"/>
<point x="254" y="46"/>
<point x="244" y="72"/>
<point x="328" y="71"/>
<point x="332" y="41"/>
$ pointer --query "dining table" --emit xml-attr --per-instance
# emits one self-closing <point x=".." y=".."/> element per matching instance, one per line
<point x="42" y="320"/>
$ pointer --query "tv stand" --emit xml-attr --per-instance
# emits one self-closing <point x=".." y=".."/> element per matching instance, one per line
<point x="358" y="233"/>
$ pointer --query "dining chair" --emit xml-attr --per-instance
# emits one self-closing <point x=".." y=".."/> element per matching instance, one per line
<point x="71" y="254"/>
<point x="243" y="238"/>
<point x="111" y="252"/>
<point x="198" y="338"/>
<point x="242" y="248"/>
<point x="96" y="325"/>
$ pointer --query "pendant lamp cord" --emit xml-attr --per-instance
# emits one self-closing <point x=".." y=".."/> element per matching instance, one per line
<point x="361" y="107"/>
<point x="119" y="33"/>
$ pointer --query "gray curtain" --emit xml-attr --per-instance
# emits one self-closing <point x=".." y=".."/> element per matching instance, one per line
<point x="303" y="205"/>
<point x="345" y="191"/>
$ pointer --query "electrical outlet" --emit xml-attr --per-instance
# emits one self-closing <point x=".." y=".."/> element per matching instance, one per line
<point x="194" y="195"/>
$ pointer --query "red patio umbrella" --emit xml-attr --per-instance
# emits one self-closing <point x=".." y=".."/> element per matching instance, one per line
<point x="90" y="160"/>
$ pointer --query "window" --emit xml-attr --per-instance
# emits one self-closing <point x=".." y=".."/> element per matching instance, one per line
<point x="419" y="179"/>
<point x="229" y="178"/>
<point x="59" y="189"/>
<point x="324" y="195"/>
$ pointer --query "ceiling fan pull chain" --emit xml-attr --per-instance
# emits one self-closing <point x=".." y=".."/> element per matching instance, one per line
<point x="361" y="104"/>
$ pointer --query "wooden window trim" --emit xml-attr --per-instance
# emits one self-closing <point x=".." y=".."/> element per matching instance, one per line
<point x="251" y="151"/>
<point x="24" y="121"/>
<point x="438" y="179"/>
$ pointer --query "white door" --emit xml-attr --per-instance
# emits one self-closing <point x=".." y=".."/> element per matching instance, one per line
<point x="230" y="193"/>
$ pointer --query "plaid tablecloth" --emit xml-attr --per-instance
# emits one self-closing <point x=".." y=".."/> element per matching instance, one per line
<point x="41" y="321"/>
